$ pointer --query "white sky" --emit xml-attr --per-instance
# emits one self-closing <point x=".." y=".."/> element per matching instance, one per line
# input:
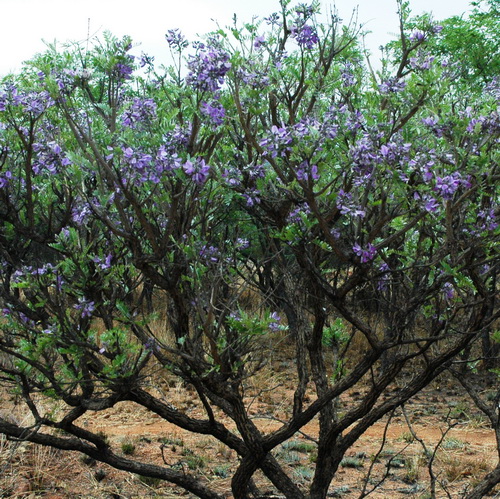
<point x="24" y="23"/>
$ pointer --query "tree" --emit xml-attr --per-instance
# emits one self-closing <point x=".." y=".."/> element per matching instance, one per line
<point x="352" y="205"/>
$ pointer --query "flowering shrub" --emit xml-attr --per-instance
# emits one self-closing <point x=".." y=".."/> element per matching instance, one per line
<point x="275" y="163"/>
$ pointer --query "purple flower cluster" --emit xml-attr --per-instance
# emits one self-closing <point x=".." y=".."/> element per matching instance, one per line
<point x="273" y="20"/>
<point x="259" y="42"/>
<point x="210" y="254"/>
<point x="365" y="254"/>
<point x="347" y="205"/>
<point x="241" y="243"/>
<point x="123" y="71"/>
<point x="86" y="307"/>
<point x="208" y="67"/>
<point x="103" y="264"/>
<point x="487" y="219"/>
<point x="306" y="172"/>
<point x="275" y="320"/>
<point x="429" y="204"/>
<point x="138" y="164"/>
<point x="365" y="155"/>
<point x="253" y="77"/>
<point x="81" y="213"/>
<point x="347" y="75"/>
<point x="232" y="177"/>
<point x="383" y="282"/>
<point x="5" y="178"/>
<point x="297" y="214"/>
<point x="486" y="124"/>
<point x="34" y="103"/>
<point x="166" y="161"/>
<point x="392" y="86"/>
<point x="394" y="153"/>
<point x="447" y="185"/>
<point x="305" y="34"/>
<point x="198" y="170"/>
<point x="448" y="291"/>
<point x="251" y="197"/>
<point x="422" y="61"/>
<point x="493" y="88"/>
<point x="417" y="36"/>
<point x="176" y="40"/>
<point x="278" y="142"/>
<point x="215" y="112"/>
<point x="141" y="112"/>
<point x="176" y="140"/>
<point x="49" y="157"/>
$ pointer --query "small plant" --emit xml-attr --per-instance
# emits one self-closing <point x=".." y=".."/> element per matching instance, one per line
<point x="149" y="481"/>
<point x="173" y="442"/>
<point x="128" y="447"/>
<point x="303" y="473"/>
<point x="297" y="445"/>
<point x="452" y="443"/>
<point x="192" y="460"/>
<point x="351" y="462"/>
<point x="460" y="410"/>
<point x="292" y="458"/>
<point x="340" y="491"/>
<point x="407" y="437"/>
<point x="412" y="469"/>
<point x="195" y="461"/>
<point x="222" y="471"/>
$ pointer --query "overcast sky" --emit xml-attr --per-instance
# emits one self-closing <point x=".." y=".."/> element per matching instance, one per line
<point x="25" y="23"/>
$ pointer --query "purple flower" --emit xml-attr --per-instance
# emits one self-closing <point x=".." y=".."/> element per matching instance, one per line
<point x="306" y="172"/>
<point x="417" y="36"/>
<point x="86" y="307"/>
<point x="447" y="186"/>
<point x="448" y="291"/>
<point x="347" y="75"/>
<point x="146" y="60"/>
<point x="366" y="254"/>
<point x="81" y="213"/>
<point x="274" y="325"/>
<point x="259" y="42"/>
<point x="278" y="142"/>
<point x="487" y="219"/>
<point x="198" y="171"/>
<point x="391" y="86"/>
<point x="215" y="112"/>
<point x="347" y="205"/>
<point x="208" y="67"/>
<point x="384" y="280"/>
<point x="141" y="112"/>
<point x="430" y="121"/>
<point x="49" y="157"/>
<point x="166" y="161"/>
<point x="103" y="264"/>
<point x="305" y="35"/>
<point x="5" y="178"/>
<point x="273" y="20"/>
<point x="431" y="205"/>
<point x="242" y="243"/>
<point x="211" y="254"/>
<point x="298" y="214"/>
<point x="176" y="40"/>
<point x="123" y="71"/>
<point x="252" y="197"/>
